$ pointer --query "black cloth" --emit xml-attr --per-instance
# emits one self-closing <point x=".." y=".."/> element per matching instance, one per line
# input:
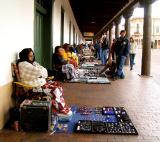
<point x="56" y="71"/>
<point x="105" y="44"/>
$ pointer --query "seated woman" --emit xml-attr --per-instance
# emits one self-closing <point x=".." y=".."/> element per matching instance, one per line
<point x="72" y="54"/>
<point x="65" y="69"/>
<point x="110" y="67"/>
<point x="70" y="59"/>
<point x="32" y="73"/>
<point x="58" y="61"/>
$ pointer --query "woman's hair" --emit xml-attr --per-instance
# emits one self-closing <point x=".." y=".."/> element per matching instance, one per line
<point x="57" y="49"/>
<point x="66" y="46"/>
<point x="23" y="55"/>
<point x="131" y="38"/>
<point x="122" y="31"/>
<point x="71" y="49"/>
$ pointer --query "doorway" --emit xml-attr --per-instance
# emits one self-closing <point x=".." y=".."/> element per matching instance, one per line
<point x="43" y="32"/>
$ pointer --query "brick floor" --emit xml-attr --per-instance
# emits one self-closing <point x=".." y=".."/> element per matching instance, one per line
<point x="139" y="95"/>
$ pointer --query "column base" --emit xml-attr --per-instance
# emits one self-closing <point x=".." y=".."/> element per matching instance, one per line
<point x="145" y="76"/>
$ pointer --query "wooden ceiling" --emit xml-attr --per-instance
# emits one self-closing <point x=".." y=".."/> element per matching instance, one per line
<point x="92" y="15"/>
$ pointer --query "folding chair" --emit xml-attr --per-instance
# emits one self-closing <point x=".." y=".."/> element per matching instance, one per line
<point x="20" y="90"/>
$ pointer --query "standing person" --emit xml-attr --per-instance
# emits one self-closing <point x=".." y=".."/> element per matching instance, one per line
<point x="122" y="47"/>
<point x="113" y="49"/>
<point x="132" y="52"/>
<point x="97" y="49"/>
<point x="104" y="47"/>
<point x="32" y="73"/>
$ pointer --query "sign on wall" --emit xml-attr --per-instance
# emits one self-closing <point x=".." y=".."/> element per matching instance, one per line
<point x="88" y="34"/>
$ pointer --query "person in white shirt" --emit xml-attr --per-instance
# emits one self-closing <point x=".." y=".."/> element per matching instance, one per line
<point x="32" y="73"/>
<point x="132" y="53"/>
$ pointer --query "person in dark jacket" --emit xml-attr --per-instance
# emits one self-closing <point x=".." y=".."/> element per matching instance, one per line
<point x="122" y="47"/>
<point x="105" y="49"/>
<point x="97" y="49"/>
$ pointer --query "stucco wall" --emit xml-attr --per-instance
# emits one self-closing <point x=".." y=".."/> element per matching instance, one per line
<point x="68" y="16"/>
<point x="16" y="33"/>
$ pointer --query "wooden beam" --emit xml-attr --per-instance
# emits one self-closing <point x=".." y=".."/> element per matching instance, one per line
<point x="130" y="4"/>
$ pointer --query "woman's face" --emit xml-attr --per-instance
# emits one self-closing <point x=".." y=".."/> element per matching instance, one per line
<point x="131" y="39"/>
<point x="61" y="51"/>
<point x="31" y="56"/>
<point x="123" y="34"/>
